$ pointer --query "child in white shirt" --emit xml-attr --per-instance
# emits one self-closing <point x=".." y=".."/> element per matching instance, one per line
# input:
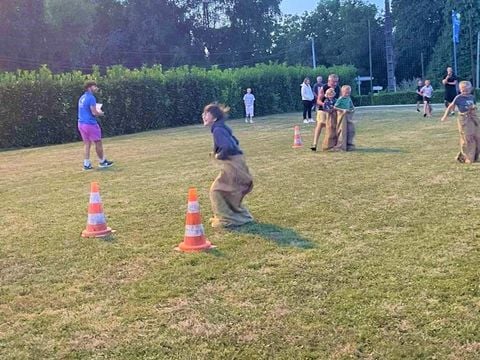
<point x="248" y="100"/>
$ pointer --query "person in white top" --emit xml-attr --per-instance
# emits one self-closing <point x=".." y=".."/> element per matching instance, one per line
<point x="249" y="100"/>
<point x="427" y="93"/>
<point x="307" y="99"/>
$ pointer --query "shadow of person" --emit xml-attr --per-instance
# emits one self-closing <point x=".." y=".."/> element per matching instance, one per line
<point x="378" y="150"/>
<point x="280" y="236"/>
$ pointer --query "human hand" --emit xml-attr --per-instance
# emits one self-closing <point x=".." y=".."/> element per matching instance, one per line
<point x="443" y="119"/>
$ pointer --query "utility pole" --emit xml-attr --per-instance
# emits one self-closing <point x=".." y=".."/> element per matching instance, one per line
<point x="370" y="62"/>
<point x="389" y="48"/>
<point x="314" y="61"/>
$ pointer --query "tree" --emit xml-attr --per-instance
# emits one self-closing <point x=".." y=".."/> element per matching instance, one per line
<point x="417" y="28"/>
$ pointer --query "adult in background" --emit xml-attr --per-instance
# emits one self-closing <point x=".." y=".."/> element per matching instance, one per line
<point x="450" y="82"/>
<point x="307" y="100"/>
<point x="323" y="119"/>
<point x="315" y="89"/>
<point x="88" y="126"/>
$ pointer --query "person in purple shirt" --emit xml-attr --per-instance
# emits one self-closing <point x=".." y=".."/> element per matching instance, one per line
<point x="234" y="181"/>
<point x="88" y="126"/>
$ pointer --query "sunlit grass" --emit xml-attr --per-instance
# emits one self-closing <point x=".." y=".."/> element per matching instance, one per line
<point x="367" y="254"/>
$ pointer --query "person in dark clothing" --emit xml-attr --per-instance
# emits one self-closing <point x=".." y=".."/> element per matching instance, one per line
<point x="450" y="82"/>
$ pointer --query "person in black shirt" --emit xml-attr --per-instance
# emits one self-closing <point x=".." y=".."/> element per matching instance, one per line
<point x="450" y="81"/>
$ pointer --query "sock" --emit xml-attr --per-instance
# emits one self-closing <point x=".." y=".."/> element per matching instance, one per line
<point x="102" y="160"/>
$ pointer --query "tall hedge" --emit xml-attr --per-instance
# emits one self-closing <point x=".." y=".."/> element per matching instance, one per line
<point x="38" y="107"/>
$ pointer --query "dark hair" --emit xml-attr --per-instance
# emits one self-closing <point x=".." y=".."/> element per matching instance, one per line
<point x="88" y="84"/>
<point x="218" y="111"/>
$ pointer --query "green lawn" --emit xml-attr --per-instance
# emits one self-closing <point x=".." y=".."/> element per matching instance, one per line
<point x="369" y="254"/>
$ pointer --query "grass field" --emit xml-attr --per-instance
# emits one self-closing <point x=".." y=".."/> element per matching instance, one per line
<point x="372" y="254"/>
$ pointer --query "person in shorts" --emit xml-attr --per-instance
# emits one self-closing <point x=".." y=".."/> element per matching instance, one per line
<point x="88" y="126"/>
<point x="427" y="93"/>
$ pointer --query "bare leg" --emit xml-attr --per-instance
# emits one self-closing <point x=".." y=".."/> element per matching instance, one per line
<point x="99" y="149"/>
<point x="86" y="154"/>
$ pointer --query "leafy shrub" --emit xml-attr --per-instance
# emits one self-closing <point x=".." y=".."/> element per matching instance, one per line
<point x="39" y="108"/>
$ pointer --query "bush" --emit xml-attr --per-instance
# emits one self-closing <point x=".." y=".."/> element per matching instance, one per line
<point x="39" y="108"/>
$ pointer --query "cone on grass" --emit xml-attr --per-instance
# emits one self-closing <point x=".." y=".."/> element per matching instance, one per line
<point x="297" y="138"/>
<point x="96" y="222"/>
<point x="194" y="239"/>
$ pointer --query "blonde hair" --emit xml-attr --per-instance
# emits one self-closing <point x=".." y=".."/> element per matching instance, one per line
<point x="466" y="84"/>
<point x="346" y="87"/>
<point x="330" y="91"/>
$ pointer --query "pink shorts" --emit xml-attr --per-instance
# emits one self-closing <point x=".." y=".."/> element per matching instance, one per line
<point x="90" y="132"/>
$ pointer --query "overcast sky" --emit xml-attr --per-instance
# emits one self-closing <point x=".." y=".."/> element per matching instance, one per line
<point x="299" y="6"/>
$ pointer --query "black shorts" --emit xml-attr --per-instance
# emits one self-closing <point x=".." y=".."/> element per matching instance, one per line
<point x="426" y="99"/>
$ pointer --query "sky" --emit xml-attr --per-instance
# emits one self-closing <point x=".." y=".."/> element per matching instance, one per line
<point x="299" y="6"/>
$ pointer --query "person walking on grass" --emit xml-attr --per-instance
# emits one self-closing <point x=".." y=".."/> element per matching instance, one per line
<point x="427" y="93"/>
<point x="450" y="82"/>
<point x="234" y="181"/>
<point x="307" y="100"/>
<point x="249" y="100"/>
<point x="468" y="123"/>
<point x="419" y="94"/>
<point x="88" y="126"/>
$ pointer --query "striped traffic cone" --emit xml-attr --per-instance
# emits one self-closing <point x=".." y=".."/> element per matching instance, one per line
<point x="297" y="138"/>
<point x="96" y="222"/>
<point x="194" y="239"/>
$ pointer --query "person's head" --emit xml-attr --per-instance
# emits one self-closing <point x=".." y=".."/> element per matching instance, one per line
<point x="213" y="112"/>
<point x="427" y="82"/>
<point x="420" y="83"/>
<point x="330" y="93"/>
<point x="449" y="70"/>
<point x="249" y="90"/>
<point x="332" y="80"/>
<point x="465" y="87"/>
<point x="319" y="79"/>
<point x="90" y="85"/>
<point x="306" y="80"/>
<point x="346" y="90"/>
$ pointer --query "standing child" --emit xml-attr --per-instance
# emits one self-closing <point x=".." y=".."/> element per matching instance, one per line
<point x="345" y="125"/>
<point x="248" y="100"/>
<point x="328" y="111"/>
<point x="234" y="180"/>
<point x="419" y="94"/>
<point x="427" y="93"/>
<point x="468" y="124"/>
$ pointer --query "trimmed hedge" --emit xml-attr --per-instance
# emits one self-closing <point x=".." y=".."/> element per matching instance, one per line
<point x="39" y="108"/>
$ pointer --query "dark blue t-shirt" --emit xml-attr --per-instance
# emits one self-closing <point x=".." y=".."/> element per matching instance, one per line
<point x="85" y="115"/>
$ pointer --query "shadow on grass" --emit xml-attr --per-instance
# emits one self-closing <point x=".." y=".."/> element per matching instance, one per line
<point x="280" y="236"/>
<point x="378" y="150"/>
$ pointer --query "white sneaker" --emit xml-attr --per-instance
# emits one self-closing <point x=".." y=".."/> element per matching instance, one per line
<point x="251" y="121"/>
<point x="246" y="121"/>
<point x="311" y="121"/>
<point x="305" y="121"/>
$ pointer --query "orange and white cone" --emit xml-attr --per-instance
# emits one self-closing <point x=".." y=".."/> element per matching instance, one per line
<point x="194" y="239"/>
<point x="96" y="222"/>
<point x="297" y="138"/>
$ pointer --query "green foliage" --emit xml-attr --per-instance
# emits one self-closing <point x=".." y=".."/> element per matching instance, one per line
<point x="38" y="107"/>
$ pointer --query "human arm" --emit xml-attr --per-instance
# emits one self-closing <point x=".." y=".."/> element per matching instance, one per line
<point x="320" y="95"/>
<point x="448" y="110"/>
<point x="93" y="107"/>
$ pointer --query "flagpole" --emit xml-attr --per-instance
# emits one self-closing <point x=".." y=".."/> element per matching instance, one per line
<point x="455" y="36"/>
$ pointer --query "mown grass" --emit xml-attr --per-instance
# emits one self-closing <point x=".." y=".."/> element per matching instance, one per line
<point x="368" y="254"/>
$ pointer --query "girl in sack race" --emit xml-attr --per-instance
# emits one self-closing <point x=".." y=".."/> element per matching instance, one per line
<point x="234" y="181"/>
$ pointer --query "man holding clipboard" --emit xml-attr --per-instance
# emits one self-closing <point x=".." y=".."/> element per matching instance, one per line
<point x="88" y="110"/>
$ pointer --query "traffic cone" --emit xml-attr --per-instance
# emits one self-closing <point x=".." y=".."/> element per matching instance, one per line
<point x="194" y="239"/>
<point x="297" y="138"/>
<point x="96" y="223"/>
